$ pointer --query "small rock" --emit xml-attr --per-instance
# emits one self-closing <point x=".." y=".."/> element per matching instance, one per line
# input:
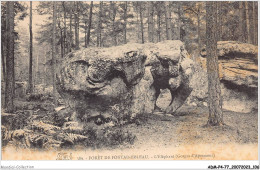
<point x="59" y="108"/>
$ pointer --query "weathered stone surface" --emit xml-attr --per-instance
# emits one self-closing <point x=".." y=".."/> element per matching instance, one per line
<point x="226" y="48"/>
<point x="238" y="71"/>
<point x="238" y="63"/>
<point x="117" y="83"/>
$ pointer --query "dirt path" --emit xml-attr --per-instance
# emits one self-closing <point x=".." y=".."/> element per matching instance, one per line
<point x="188" y="127"/>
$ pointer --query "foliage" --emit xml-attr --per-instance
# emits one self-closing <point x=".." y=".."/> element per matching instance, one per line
<point x="108" y="137"/>
<point x="39" y="129"/>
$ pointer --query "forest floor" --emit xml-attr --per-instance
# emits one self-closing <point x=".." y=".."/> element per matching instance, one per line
<point x="188" y="126"/>
<point x="187" y="131"/>
<point x="184" y="134"/>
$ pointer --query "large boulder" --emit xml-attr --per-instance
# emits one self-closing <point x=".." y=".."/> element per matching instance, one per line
<point x="118" y="83"/>
<point x="238" y="71"/>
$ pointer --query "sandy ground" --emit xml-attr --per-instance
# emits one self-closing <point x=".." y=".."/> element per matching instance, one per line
<point x="187" y="126"/>
<point x="183" y="134"/>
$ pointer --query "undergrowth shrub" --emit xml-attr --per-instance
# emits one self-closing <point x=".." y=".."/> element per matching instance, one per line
<point x="108" y="137"/>
<point x="44" y="129"/>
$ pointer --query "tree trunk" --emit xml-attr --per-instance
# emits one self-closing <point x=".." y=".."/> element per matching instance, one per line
<point x="61" y="44"/>
<point x="198" y="30"/>
<point x="76" y="20"/>
<point x="36" y="76"/>
<point x="138" y="24"/>
<point x="3" y="57"/>
<point x="214" y="91"/>
<point x="30" y="90"/>
<point x="65" y="29"/>
<point x="247" y="23"/>
<point x="125" y="21"/>
<point x="254" y="23"/>
<point x="71" y="40"/>
<point x="168" y="21"/>
<point x="219" y="4"/>
<point x="113" y="9"/>
<point x="54" y="52"/>
<point x="99" y="24"/>
<point x="45" y="67"/>
<point x="241" y="31"/>
<point x="61" y="35"/>
<point x="89" y="23"/>
<point x="150" y="21"/>
<point x="179" y="21"/>
<point x="158" y="26"/>
<point x="10" y="80"/>
<point x="86" y="30"/>
<point x="3" y="45"/>
<point x="142" y="24"/>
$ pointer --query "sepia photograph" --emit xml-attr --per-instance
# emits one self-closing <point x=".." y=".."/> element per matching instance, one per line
<point x="129" y="80"/>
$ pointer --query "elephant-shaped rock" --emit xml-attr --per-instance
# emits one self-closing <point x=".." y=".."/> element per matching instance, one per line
<point x="118" y="83"/>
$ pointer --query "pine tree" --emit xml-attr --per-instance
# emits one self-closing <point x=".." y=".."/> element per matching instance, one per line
<point x="241" y="22"/>
<point x="168" y="20"/>
<point x="141" y="21"/>
<point x="54" y="51"/>
<point x="76" y="24"/>
<point x="247" y="23"/>
<point x="89" y="24"/>
<point x="214" y="91"/>
<point x="125" y="21"/>
<point x="10" y="80"/>
<point x="99" y="29"/>
<point x="31" y="53"/>
<point x="113" y="13"/>
<point x="150" y="21"/>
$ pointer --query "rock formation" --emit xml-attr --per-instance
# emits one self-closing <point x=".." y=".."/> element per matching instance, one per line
<point x="238" y="71"/>
<point x="117" y="83"/>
